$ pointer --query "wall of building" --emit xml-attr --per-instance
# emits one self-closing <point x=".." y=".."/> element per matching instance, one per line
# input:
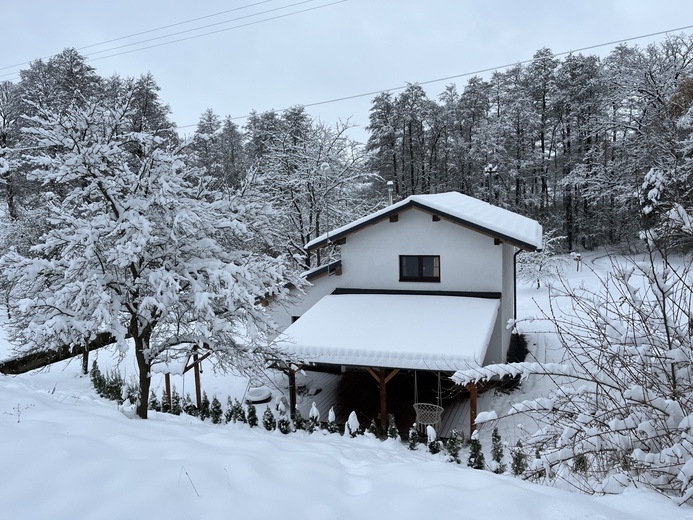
<point x="469" y="261"/>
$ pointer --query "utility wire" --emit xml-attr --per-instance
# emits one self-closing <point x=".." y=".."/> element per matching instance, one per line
<point x="14" y="74"/>
<point x="203" y="27"/>
<point x="145" y="32"/>
<point x="473" y="73"/>
<point x="437" y="80"/>
<point x="220" y="30"/>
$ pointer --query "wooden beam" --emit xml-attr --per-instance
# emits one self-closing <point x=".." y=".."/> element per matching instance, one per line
<point x="292" y="391"/>
<point x="472" y="407"/>
<point x="167" y="379"/>
<point x="196" y="369"/>
<point x="382" y="377"/>
<point x="392" y="374"/>
<point x="40" y="359"/>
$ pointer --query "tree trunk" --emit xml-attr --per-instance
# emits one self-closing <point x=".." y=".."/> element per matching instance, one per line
<point x="143" y="367"/>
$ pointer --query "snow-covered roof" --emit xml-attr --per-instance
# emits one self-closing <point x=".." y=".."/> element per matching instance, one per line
<point x="412" y="331"/>
<point x="466" y="211"/>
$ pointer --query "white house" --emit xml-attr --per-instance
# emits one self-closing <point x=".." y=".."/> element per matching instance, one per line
<point x="426" y="284"/>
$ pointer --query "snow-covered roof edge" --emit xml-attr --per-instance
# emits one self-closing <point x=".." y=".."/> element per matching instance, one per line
<point x="465" y="211"/>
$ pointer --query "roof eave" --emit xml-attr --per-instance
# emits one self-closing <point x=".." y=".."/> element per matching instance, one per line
<point x="428" y="209"/>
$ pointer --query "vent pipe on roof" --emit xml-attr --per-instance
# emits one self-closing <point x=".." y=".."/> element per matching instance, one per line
<point x="390" y="186"/>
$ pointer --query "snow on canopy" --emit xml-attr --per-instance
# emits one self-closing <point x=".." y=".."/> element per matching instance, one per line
<point x="464" y="210"/>
<point x="418" y="332"/>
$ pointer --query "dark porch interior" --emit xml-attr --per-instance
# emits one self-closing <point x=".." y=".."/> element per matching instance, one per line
<point x="357" y="390"/>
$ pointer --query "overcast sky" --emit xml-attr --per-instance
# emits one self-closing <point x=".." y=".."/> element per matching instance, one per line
<point x="332" y="49"/>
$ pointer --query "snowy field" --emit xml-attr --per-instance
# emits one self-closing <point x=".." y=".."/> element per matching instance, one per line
<point x="66" y="453"/>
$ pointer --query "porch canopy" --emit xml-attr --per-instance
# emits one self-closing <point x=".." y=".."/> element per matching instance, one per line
<point x="396" y="331"/>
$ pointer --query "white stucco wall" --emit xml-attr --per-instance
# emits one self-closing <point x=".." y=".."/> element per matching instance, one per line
<point x="469" y="261"/>
<point x="302" y="302"/>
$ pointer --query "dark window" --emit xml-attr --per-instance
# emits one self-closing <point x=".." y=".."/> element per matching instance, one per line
<point x="419" y="268"/>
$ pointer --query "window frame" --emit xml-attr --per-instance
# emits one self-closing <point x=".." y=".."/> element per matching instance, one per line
<point x="419" y="277"/>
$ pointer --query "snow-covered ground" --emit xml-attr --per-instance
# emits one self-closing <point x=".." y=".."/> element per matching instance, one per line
<point x="65" y="453"/>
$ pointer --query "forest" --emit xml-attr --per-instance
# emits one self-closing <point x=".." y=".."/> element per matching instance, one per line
<point x="594" y="148"/>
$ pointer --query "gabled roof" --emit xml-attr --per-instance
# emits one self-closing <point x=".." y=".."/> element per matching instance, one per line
<point x="416" y="332"/>
<point x="506" y="226"/>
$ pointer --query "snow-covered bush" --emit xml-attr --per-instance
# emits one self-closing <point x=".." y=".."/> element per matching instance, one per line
<point x="299" y="421"/>
<point x="176" y="406"/>
<point x="283" y="423"/>
<point x="518" y="464"/>
<point x="252" y="415"/>
<point x="235" y="412"/>
<point x="216" y="412"/>
<point x="268" y="420"/>
<point x="497" y="452"/>
<point x="373" y="429"/>
<point x="476" y="459"/>
<point x="188" y="407"/>
<point x="154" y="403"/>
<point x="204" y="407"/>
<point x="623" y="410"/>
<point x="453" y="446"/>
<point x="414" y="438"/>
<point x="392" y="431"/>
<point x="313" y="419"/>
<point x="332" y="426"/>
<point x="352" y="427"/>
<point x="545" y="266"/>
<point x="433" y="444"/>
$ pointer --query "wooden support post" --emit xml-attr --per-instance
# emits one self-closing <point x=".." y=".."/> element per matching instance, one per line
<point x="167" y="379"/>
<point x="472" y="407"/>
<point x="196" y="370"/>
<point x="383" y="400"/>
<point x="383" y="378"/>
<point x="292" y="391"/>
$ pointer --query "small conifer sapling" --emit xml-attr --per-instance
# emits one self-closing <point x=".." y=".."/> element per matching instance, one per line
<point x="268" y="420"/>
<point x="204" y="407"/>
<point x="497" y="452"/>
<point x="216" y="412"/>
<point x="414" y="438"/>
<point x="476" y="458"/>
<point x="252" y="415"/>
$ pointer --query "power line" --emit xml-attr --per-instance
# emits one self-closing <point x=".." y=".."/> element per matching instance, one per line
<point x="220" y="30"/>
<point x="14" y="74"/>
<point x="473" y="73"/>
<point x="146" y="32"/>
<point x="203" y="27"/>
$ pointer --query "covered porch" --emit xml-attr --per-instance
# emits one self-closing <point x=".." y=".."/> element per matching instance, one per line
<point x="358" y="391"/>
<point x="378" y="353"/>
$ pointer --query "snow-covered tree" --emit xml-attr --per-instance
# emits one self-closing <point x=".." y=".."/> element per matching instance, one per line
<point x="544" y="266"/>
<point x="315" y="178"/>
<point x="139" y="248"/>
<point x="622" y="413"/>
